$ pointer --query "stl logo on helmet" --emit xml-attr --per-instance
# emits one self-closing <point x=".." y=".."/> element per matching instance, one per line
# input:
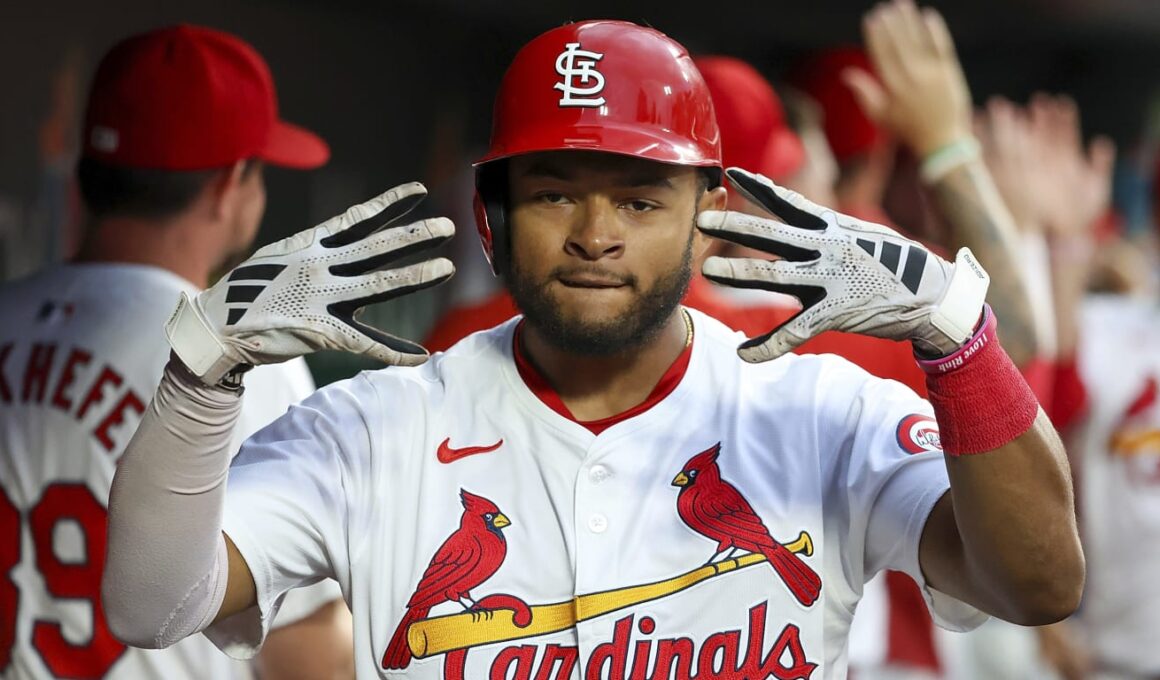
<point x="582" y="82"/>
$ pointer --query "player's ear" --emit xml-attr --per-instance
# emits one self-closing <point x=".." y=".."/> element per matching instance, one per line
<point x="711" y="199"/>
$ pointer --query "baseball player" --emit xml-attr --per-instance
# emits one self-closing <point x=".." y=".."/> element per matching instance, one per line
<point x="172" y="176"/>
<point x="611" y="485"/>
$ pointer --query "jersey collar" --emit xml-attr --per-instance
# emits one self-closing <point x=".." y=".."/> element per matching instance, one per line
<point x="543" y="391"/>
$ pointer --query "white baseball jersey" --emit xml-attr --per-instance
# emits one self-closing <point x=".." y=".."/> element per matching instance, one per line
<point x="1119" y="481"/>
<point x="477" y="532"/>
<point x="81" y="351"/>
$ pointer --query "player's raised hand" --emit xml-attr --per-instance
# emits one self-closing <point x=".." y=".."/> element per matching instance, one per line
<point x="1004" y="133"/>
<point x="922" y="95"/>
<point x="1080" y="179"/>
<point x="850" y="275"/>
<point x="305" y="293"/>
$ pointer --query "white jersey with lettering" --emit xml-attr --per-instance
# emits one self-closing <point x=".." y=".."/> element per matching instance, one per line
<point x="81" y="351"/>
<point x="477" y="532"/>
<point x="1119" y="482"/>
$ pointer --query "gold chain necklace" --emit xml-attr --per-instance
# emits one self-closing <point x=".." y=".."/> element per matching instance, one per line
<point x="688" y="327"/>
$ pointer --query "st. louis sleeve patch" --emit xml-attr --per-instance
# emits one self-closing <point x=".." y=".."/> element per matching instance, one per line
<point x="918" y="433"/>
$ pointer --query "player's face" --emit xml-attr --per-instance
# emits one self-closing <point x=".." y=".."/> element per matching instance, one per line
<point x="249" y="204"/>
<point x="602" y="245"/>
<point x="252" y="198"/>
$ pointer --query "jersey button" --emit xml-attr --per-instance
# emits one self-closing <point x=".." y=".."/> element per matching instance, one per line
<point x="598" y="474"/>
<point x="597" y="523"/>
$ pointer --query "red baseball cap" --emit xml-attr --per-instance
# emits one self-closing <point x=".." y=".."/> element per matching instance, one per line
<point x="754" y="131"/>
<point x="848" y="129"/>
<point x="190" y="98"/>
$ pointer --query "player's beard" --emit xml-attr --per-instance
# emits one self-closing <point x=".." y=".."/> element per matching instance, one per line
<point x="239" y="251"/>
<point x="228" y="263"/>
<point x="639" y="323"/>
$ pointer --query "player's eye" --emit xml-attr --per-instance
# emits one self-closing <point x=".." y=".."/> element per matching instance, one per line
<point x="639" y="205"/>
<point x="551" y="197"/>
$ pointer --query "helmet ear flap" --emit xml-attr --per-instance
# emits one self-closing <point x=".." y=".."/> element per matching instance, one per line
<point x="491" y="199"/>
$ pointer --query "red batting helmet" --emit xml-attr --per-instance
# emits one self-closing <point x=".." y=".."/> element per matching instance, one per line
<point x="607" y="86"/>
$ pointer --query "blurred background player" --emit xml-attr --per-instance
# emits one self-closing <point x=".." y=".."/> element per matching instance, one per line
<point x="863" y="149"/>
<point x="179" y="124"/>
<point x="1109" y="400"/>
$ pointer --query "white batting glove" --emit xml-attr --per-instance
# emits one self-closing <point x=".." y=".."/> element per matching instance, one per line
<point x="306" y="292"/>
<point x="849" y="275"/>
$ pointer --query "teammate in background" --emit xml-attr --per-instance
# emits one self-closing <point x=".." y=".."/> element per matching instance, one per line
<point x="510" y="508"/>
<point x="180" y="122"/>
<point x="818" y="175"/>
<point x="863" y="149"/>
<point x="1107" y="406"/>
<point x="1115" y="447"/>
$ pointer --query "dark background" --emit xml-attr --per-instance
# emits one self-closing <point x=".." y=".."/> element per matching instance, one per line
<point x="402" y="90"/>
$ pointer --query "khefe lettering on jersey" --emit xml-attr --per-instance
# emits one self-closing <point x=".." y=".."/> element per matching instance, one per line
<point x="79" y="386"/>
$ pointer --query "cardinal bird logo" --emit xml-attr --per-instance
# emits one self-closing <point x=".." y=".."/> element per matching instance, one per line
<point x="468" y="557"/>
<point x="715" y="509"/>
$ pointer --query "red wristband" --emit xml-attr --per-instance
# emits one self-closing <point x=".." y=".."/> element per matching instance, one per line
<point x="980" y="400"/>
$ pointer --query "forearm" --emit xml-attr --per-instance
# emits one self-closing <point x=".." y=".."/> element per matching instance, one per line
<point x="1004" y="538"/>
<point x="968" y="202"/>
<point x="165" y="571"/>
<point x="1070" y="264"/>
<point x="1014" y="541"/>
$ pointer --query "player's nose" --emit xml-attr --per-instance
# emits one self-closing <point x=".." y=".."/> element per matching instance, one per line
<point x="596" y="232"/>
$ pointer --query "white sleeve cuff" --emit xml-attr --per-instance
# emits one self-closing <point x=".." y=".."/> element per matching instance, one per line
<point x="241" y="635"/>
<point x="301" y="603"/>
<point x="948" y="613"/>
<point x="951" y="614"/>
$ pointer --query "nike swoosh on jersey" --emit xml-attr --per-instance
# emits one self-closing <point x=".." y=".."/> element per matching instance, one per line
<point x="446" y="454"/>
